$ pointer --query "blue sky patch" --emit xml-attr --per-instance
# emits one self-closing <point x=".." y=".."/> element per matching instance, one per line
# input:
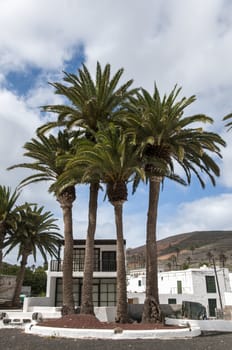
<point x="22" y="81"/>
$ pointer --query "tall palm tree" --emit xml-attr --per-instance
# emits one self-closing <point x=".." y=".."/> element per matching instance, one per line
<point x="36" y="230"/>
<point x="167" y="138"/>
<point x="89" y="102"/>
<point x="112" y="160"/>
<point x="44" y="152"/>
<point x="222" y="259"/>
<point x="7" y="213"/>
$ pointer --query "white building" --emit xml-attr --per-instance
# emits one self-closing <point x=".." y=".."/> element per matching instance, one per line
<point x="104" y="276"/>
<point x="197" y="285"/>
<point x="136" y="281"/>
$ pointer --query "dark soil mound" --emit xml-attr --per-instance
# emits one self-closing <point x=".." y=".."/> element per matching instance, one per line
<point x="91" y="322"/>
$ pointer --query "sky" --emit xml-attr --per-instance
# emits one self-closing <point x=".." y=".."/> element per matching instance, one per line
<point x="164" y="42"/>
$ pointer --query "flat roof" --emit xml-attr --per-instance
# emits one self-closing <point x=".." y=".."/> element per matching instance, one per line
<point x="96" y="241"/>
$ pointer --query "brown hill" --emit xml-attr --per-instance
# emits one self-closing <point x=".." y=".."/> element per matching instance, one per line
<point x="188" y="250"/>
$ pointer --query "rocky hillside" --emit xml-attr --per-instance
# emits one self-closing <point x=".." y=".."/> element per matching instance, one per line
<point x="188" y="250"/>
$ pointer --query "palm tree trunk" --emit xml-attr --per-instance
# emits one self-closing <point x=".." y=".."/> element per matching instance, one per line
<point x="151" y="311"/>
<point x="121" y="311"/>
<point x="19" y="280"/>
<point x="87" y="288"/>
<point x="2" y="235"/>
<point x="66" y="199"/>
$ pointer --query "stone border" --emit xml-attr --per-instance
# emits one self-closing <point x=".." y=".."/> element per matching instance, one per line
<point x="109" y="334"/>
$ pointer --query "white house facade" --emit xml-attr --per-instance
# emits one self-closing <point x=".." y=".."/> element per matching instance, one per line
<point x="200" y="285"/>
<point x="104" y="276"/>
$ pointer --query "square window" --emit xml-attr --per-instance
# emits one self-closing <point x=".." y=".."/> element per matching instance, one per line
<point x="111" y="287"/>
<point x="111" y="297"/>
<point x="111" y="303"/>
<point x="103" y="288"/>
<point x="95" y="289"/>
<point x="172" y="301"/>
<point x="95" y="297"/>
<point x="104" y="296"/>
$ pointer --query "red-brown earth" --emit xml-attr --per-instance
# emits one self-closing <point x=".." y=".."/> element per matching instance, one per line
<point x="89" y="321"/>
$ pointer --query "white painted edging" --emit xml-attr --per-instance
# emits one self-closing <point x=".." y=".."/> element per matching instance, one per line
<point x="204" y="325"/>
<point x="109" y="334"/>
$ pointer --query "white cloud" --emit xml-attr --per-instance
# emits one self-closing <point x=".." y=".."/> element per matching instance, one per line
<point x="185" y="42"/>
<point x="17" y="125"/>
<point x="36" y="33"/>
<point x="209" y="213"/>
<point x="179" y="41"/>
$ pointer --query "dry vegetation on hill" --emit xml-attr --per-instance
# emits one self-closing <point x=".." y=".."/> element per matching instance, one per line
<point x="188" y="250"/>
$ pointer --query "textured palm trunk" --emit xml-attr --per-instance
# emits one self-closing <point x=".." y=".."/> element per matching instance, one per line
<point x="87" y="288"/>
<point x="2" y="235"/>
<point x="19" y="280"/>
<point x="66" y="199"/>
<point x="121" y="310"/>
<point x="151" y="311"/>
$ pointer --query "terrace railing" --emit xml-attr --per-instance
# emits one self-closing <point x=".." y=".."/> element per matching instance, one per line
<point x="78" y="265"/>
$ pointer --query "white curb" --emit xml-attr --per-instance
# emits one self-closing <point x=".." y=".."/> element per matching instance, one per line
<point x="109" y="333"/>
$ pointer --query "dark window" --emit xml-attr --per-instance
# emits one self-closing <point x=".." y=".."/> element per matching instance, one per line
<point x="212" y="307"/>
<point x="139" y="283"/>
<point x="107" y="292"/>
<point x="96" y="259"/>
<point x="179" y="287"/>
<point x="210" y="284"/>
<point x="104" y="291"/>
<point x="79" y="259"/>
<point x="172" y="301"/>
<point x="109" y="260"/>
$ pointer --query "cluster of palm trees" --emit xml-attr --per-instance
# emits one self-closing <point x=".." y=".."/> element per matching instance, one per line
<point x="109" y="135"/>
<point x="27" y="228"/>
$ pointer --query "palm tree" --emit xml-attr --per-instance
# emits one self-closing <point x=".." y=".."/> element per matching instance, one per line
<point x="174" y="261"/>
<point x="209" y="256"/>
<point x="167" y="138"/>
<point x="222" y="259"/>
<point x="192" y="248"/>
<point x="7" y="213"/>
<point x="177" y="250"/>
<point x="91" y="102"/>
<point x="188" y="259"/>
<point x="44" y="152"/>
<point x="36" y="230"/>
<point x="228" y="119"/>
<point x="112" y="160"/>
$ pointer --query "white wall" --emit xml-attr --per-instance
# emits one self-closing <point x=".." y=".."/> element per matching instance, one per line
<point x="228" y="298"/>
<point x="138" y="298"/>
<point x="7" y="287"/>
<point x="193" y="286"/>
<point x="167" y="282"/>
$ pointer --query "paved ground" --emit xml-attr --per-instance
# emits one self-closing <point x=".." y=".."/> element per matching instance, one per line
<point x="15" y="339"/>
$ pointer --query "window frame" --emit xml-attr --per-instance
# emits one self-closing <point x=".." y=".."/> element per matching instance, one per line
<point x="210" y="284"/>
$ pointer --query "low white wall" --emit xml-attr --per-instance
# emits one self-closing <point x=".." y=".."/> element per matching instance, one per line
<point x="105" y="313"/>
<point x="110" y="334"/>
<point x="7" y="286"/>
<point x="44" y="305"/>
<point x="31" y="302"/>
<point x="205" y="325"/>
